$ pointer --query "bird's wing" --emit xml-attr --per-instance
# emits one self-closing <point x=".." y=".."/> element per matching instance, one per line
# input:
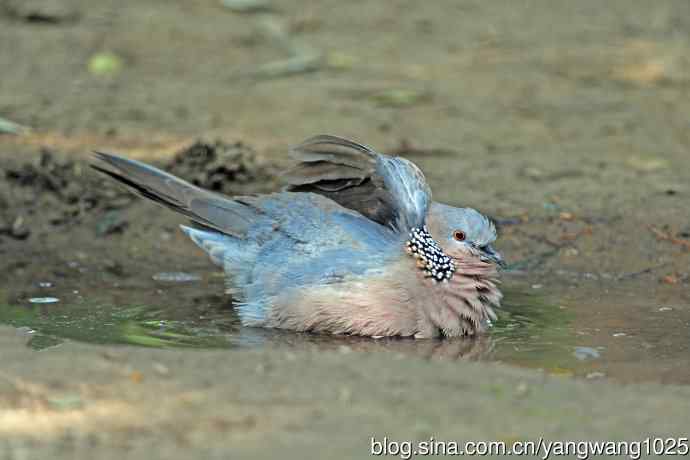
<point x="389" y="190"/>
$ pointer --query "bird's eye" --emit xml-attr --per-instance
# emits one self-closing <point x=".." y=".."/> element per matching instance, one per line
<point x="459" y="235"/>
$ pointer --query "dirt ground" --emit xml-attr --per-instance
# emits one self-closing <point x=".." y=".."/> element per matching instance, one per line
<point x="144" y="403"/>
<point x="567" y="122"/>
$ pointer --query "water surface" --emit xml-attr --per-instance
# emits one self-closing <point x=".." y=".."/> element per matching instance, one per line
<point x="607" y="335"/>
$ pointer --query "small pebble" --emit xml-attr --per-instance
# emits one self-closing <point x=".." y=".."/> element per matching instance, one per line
<point x="585" y="353"/>
<point x="111" y="222"/>
<point x="670" y="279"/>
<point x="344" y="350"/>
<point x="105" y="63"/>
<point x="247" y="6"/>
<point x="44" y="300"/>
<point x="522" y="389"/>
<point x="136" y="377"/>
<point x="161" y="369"/>
<point x="400" y="97"/>
<point x="345" y="394"/>
<point x="10" y="127"/>
<point x="66" y="402"/>
<point x="176" y="277"/>
<point x="114" y="268"/>
<point x="19" y="229"/>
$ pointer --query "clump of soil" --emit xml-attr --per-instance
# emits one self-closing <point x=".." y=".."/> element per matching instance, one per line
<point x="220" y="166"/>
<point x="66" y="181"/>
<point x="50" y="190"/>
<point x="40" y="11"/>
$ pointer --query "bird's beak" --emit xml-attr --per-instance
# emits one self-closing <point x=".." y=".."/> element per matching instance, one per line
<point x="489" y="254"/>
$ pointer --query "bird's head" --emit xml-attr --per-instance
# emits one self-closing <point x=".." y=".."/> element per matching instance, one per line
<point x="463" y="233"/>
<point x="454" y="251"/>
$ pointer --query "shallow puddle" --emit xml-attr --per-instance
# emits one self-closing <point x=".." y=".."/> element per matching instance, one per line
<point x="609" y="335"/>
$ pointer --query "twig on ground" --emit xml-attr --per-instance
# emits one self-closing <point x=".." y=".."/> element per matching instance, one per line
<point x="303" y="58"/>
<point x="10" y="127"/>
<point x="665" y="236"/>
<point x="630" y="275"/>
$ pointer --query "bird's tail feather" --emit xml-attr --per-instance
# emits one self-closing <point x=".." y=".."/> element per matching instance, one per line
<point x="206" y="208"/>
<point x="236" y="256"/>
<point x="214" y="243"/>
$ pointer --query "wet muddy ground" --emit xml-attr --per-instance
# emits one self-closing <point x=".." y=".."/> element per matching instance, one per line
<point x="566" y="122"/>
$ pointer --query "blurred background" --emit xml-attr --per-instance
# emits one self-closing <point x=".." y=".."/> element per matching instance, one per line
<point x="566" y="122"/>
<point x="527" y="96"/>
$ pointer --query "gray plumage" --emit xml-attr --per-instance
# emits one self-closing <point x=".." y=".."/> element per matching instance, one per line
<point x="331" y="253"/>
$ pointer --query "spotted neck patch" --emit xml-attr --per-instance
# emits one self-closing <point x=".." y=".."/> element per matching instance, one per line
<point x="430" y="257"/>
